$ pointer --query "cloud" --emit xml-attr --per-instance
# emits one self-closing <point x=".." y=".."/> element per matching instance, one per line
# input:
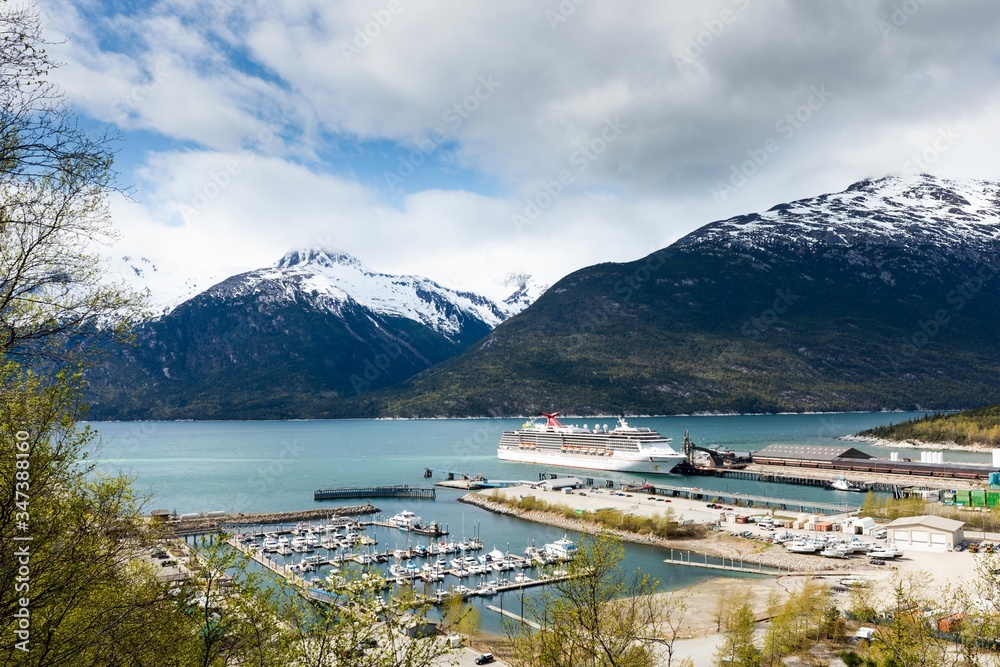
<point x="723" y="107"/>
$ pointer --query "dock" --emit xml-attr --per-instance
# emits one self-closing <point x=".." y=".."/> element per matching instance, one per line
<point x="280" y="570"/>
<point x="741" y="565"/>
<point x="742" y="499"/>
<point x="510" y="614"/>
<point x="880" y="487"/>
<point x="398" y="491"/>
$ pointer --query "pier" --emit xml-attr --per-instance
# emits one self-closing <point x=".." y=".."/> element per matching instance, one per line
<point x="510" y="614"/>
<point x="259" y="557"/>
<point x="880" y="487"/>
<point x="399" y="491"/>
<point x="741" y="499"/>
<point x="743" y="566"/>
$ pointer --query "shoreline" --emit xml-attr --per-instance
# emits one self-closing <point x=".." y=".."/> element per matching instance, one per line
<point x="720" y="544"/>
<point x="918" y="444"/>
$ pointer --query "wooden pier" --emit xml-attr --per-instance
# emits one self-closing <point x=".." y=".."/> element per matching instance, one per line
<point x="735" y="565"/>
<point x="399" y="491"/>
<point x="510" y="614"/>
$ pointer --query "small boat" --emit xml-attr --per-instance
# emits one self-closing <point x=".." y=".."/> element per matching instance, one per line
<point x="561" y="549"/>
<point x="405" y="520"/>
<point x="844" y="484"/>
<point x="886" y="551"/>
<point x="802" y="547"/>
<point x="433" y="529"/>
<point x="833" y="552"/>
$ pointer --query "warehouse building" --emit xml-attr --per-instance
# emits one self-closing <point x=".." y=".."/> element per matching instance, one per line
<point x="926" y="533"/>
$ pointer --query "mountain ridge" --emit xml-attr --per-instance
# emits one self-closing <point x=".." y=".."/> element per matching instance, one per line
<point x="313" y="331"/>
<point x="816" y="305"/>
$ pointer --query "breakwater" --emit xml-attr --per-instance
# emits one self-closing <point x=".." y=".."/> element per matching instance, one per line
<point x="211" y="524"/>
<point x="398" y="491"/>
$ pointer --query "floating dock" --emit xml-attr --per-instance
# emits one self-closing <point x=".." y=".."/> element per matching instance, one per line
<point x="399" y="491"/>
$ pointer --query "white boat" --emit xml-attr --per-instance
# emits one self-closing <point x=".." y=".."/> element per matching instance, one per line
<point x="624" y="448"/>
<point x="803" y="547"/>
<point x="833" y="552"/>
<point x="561" y="549"/>
<point x="270" y="545"/>
<point x="885" y="551"/>
<point x="844" y="484"/>
<point x="405" y="520"/>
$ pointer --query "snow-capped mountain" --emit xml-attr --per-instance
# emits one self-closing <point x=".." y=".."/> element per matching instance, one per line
<point x="297" y="338"/>
<point x="526" y="292"/>
<point x="883" y="296"/>
<point x="330" y="280"/>
<point x="912" y="211"/>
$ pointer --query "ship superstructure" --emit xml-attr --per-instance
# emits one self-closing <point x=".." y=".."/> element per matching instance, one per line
<point x="624" y="448"/>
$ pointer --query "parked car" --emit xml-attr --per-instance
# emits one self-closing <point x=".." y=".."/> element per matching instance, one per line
<point x="485" y="659"/>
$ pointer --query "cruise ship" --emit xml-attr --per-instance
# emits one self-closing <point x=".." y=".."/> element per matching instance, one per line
<point x="624" y="448"/>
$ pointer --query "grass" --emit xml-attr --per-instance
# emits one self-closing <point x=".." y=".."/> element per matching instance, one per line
<point x="664" y="526"/>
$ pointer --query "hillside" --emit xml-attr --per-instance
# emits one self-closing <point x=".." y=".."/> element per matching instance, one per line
<point x="879" y="297"/>
<point x="979" y="427"/>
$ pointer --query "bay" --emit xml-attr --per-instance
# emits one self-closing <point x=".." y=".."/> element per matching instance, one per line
<point x="262" y="466"/>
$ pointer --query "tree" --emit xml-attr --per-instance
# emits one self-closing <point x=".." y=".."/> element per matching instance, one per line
<point x="362" y="626"/>
<point x="54" y="182"/>
<point x="76" y="587"/>
<point x="738" y="648"/>
<point x="799" y="622"/>
<point x="597" y="616"/>
<point x="908" y="639"/>
<point x="460" y="617"/>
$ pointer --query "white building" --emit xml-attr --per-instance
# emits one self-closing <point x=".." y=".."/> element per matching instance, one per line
<point x="863" y="525"/>
<point x="561" y="484"/>
<point x="926" y="533"/>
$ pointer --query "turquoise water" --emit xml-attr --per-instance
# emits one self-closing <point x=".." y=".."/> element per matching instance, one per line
<point x="274" y="466"/>
<point x="270" y="466"/>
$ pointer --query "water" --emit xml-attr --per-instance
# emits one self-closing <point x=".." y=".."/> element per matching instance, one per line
<point x="276" y="466"/>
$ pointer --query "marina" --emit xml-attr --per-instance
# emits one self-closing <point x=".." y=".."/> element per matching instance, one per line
<point x="271" y="469"/>
<point x="488" y="569"/>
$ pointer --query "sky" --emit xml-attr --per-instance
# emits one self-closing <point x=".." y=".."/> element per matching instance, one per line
<point x="465" y="141"/>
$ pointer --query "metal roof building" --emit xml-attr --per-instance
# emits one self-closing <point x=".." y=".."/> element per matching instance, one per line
<point x="783" y="454"/>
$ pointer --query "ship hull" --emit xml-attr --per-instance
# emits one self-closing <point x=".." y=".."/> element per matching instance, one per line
<point x="618" y="463"/>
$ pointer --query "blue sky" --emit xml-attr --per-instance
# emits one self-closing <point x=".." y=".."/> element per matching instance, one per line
<point x="467" y="141"/>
